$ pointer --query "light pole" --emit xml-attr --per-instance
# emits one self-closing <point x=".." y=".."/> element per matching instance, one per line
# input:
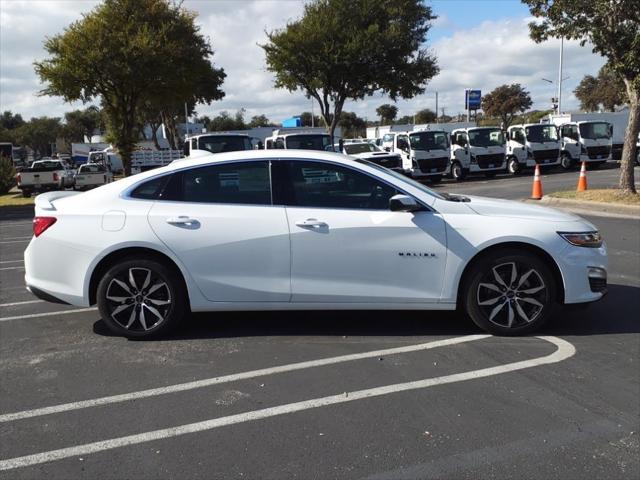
<point x="555" y="101"/>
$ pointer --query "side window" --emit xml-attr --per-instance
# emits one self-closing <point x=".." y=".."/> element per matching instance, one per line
<point x="269" y="144"/>
<point x="574" y="133"/>
<point x="519" y="136"/>
<point x="280" y="143"/>
<point x="239" y="183"/>
<point x="325" y="185"/>
<point x="150" y="190"/>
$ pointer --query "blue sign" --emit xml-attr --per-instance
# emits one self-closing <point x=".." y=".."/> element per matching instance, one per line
<point x="292" y="122"/>
<point x="472" y="99"/>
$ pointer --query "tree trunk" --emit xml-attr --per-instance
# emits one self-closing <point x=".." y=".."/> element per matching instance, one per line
<point x="627" y="181"/>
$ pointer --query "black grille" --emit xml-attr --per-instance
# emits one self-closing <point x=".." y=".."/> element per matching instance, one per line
<point x="542" y="155"/>
<point x="427" y="164"/>
<point x="389" y="161"/>
<point x="495" y="159"/>
<point x="595" y="152"/>
<point x="598" y="284"/>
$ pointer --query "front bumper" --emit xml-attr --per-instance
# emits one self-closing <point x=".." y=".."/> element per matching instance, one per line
<point x="584" y="273"/>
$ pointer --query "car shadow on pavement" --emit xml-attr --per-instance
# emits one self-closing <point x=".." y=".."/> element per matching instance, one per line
<point x="615" y="314"/>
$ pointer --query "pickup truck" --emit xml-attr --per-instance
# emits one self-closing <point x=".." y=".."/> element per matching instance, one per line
<point x="44" y="175"/>
<point x="91" y="175"/>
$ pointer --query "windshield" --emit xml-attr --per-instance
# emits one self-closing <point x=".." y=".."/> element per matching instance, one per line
<point x="224" y="143"/>
<point x="388" y="137"/>
<point x="429" y="141"/>
<point x="354" y="148"/>
<point x="542" y="133"/>
<point x="402" y="178"/>
<point x="486" y="137"/>
<point x="308" y="142"/>
<point x="595" y="130"/>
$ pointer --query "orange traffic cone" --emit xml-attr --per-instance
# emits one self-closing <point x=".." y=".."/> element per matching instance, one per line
<point x="582" y="181"/>
<point x="536" y="191"/>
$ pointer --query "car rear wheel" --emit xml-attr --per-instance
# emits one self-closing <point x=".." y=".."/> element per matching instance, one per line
<point x="510" y="294"/>
<point x="141" y="298"/>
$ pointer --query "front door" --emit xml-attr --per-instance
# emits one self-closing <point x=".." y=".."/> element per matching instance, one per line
<point x="220" y="222"/>
<point x="347" y="246"/>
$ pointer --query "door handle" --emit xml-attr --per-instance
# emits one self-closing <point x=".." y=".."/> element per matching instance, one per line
<point x="182" y="220"/>
<point x="311" y="222"/>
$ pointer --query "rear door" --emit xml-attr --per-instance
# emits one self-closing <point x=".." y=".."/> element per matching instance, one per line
<point x="347" y="246"/>
<point x="220" y="222"/>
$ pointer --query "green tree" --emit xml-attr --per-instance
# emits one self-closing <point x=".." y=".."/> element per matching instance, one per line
<point x="387" y="113"/>
<point x="505" y="102"/>
<point x="79" y="124"/>
<point x="350" y="49"/>
<point x="425" y="116"/>
<point x="606" y="90"/>
<point x="612" y="27"/>
<point x="352" y="125"/>
<point x="130" y="54"/>
<point x="225" y="121"/>
<point x="587" y="93"/>
<point x="405" y="120"/>
<point x="39" y="134"/>
<point x="10" y="121"/>
<point x="7" y="174"/>
<point x="305" y="120"/>
<point x="259" y="121"/>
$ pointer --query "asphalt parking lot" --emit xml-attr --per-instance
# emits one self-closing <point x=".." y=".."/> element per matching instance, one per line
<point x="374" y="395"/>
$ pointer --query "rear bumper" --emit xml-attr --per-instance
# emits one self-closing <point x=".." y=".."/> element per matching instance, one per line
<point x="42" y="295"/>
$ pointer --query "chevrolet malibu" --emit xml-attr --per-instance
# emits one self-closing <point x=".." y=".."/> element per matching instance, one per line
<point x="304" y="230"/>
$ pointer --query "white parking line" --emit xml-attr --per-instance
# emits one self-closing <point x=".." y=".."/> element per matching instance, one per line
<point x="16" y="241"/>
<point x="564" y="351"/>
<point x="11" y="261"/>
<point x="12" y="268"/>
<point x="18" y="238"/>
<point x="47" y="314"/>
<point x="26" y="302"/>
<point x="181" y="387"/>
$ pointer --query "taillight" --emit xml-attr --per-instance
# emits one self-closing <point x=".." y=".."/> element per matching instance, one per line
<point x="55" y="177"/>
<point x="40" y="224"/>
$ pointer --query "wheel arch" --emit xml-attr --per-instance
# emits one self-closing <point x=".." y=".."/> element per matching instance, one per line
<point x="110" y="259"/>
<point x="528" y="247"/>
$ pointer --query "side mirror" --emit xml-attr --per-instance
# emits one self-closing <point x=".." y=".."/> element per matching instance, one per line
<point x="387" y="149"/>
<point x="403" y="203"/>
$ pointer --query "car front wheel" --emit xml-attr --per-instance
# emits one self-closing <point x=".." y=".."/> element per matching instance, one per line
<point x="514" y="166"/>
<point x="141" y="298"/>
<point x="510" y="294"/>
<point x="457" y="172"/>
<point x="566" y="162"/>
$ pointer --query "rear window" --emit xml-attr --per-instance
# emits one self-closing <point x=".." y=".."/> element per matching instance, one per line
<point x="46" y="166"/>
<point x="91" y="169"/>
<point x="151" y="189"/>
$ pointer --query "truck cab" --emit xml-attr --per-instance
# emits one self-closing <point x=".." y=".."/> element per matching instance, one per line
<point x="587" y="141"/>
<point x="424" y="153"/>
<point x="368" y="151"/>
<point x="299" y="139"/>
<point x="477" y="150"/>
<point x="218" y="143"/>
<point x="532" y="144"/>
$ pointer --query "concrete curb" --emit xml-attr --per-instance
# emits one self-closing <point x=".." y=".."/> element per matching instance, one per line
<point x="589" y="207"/>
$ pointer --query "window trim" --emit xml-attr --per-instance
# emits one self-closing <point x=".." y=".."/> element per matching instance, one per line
<point x="427" y="208"/>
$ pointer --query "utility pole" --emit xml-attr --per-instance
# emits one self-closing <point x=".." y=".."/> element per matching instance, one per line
<point x="186" y="122"/>
<point x="560" y="77"/>
<point x="312" y="119"/>
<point x="436" y="107"/>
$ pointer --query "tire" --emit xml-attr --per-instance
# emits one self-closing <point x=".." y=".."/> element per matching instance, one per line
<point x="435" y="179"/>
<point x="499" y="309"/>
<point x="457" y="172"/>
<point x="566" y="162"/>
<point x="128" y="311"/>
<point x="513" y="166"/>
<point x="491" y="174"/>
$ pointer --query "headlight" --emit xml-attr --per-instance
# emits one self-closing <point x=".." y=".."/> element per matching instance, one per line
<point x="582" y="239"/>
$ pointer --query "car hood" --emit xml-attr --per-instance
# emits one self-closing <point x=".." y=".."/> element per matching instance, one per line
<point x="509" y="209"/>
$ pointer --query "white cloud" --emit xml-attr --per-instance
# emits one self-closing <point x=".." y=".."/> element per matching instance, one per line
<point x="491" y="54"/>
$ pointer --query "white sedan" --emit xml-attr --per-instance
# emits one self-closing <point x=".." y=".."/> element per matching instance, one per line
<point x="296" y="230"/>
